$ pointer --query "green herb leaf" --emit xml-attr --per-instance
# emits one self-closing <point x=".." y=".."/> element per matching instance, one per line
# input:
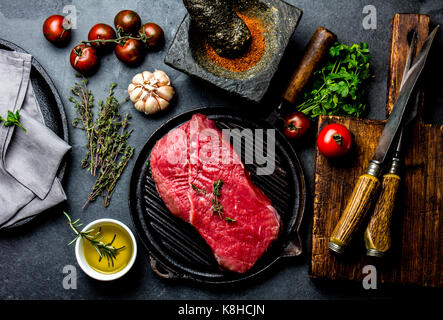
<point x="338" y="87"/>
<point x="13" y="119"/>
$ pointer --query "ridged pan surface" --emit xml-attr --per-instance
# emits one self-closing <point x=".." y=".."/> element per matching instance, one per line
<point x="175" y="246"/>
<point x="50" y="104"/>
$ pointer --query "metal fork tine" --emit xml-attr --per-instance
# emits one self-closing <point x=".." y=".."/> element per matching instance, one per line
<point x="411" y="53"/>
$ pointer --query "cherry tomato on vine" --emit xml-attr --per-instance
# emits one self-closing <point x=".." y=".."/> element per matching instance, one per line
<point x="57" y="30"/>
<point x="154" y="35"/>
<point x="296" y="125"/>
<point x="127" y="21"/>
<point x="102" y="31"/>
<point x="131" y="52"/>
<point x="334" y="140"/>
<point x="84" y="59"/>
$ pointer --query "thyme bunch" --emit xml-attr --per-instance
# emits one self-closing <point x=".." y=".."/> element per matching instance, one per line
<point x="106" y="250"/>
<point x="108" y="151"/>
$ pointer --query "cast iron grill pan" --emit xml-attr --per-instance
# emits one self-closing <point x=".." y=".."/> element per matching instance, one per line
<point x="51" y="106"/>
<point x="176" y="248"/>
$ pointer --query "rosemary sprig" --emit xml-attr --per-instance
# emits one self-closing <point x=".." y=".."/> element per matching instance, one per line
<point x="106" y="250"/>
<point x="108" y="152"/>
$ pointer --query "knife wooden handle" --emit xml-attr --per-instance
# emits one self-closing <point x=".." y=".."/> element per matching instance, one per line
<point x="355" y="210"/>
<point x="314" y="53"/>
<point x="378" y="233"/>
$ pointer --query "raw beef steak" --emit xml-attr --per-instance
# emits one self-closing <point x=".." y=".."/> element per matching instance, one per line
<point x="201" y="179"/>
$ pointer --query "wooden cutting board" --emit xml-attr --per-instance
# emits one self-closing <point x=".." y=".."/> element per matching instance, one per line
<point x="416" y="255"/>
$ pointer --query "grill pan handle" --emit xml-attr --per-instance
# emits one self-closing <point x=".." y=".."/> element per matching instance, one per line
<point x="161" y="270"/>
<point x="293" y="247"/>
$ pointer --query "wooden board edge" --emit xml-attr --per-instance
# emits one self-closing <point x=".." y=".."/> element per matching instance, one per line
<point x="397" y="60"/>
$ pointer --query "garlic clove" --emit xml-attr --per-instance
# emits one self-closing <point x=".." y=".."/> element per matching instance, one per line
<point x="138" y="79"/>
<point x="135" y="94"/>
<point x="163" y="104"/>
<point x="131" y="88"/>
<point x="147" y="76"/>
<point x="144" y="94"/>
<point x="165" y="92"/>
<point x="140" y="105"/>
<point x="151" y="105"/>
<point x="162" y="78"/>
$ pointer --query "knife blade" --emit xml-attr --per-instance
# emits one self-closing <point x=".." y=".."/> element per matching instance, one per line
<point x="368" y="183"/>
<point x="395" y="119"/>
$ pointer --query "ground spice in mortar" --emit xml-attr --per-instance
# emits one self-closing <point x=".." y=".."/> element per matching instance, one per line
<point x="251" y="56"/>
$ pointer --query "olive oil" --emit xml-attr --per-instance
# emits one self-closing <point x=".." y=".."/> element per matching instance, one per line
<point x="122" y="239"/>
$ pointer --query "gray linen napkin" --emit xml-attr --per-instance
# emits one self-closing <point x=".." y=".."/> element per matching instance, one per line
<point x="29" y="160"/>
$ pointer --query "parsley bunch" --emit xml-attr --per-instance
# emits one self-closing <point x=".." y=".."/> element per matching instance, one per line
<point x="337" y="88"/>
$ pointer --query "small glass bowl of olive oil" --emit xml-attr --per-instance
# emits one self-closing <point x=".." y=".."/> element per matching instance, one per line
<point x="110" y="232"/>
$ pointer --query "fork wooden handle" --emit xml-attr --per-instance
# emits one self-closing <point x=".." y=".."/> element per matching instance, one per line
<point x="355" y="210"/>
<point x="378" y="233"/>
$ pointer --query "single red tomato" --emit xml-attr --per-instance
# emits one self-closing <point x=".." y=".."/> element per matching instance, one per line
<point x="154" y="35"/>
<point x="131" y="52"/>
<point x="102" y="31"/>
<point x="334" y="140"/>
<point x="57" y="30"/>
<point x="296" y="124"/>
<point x="84" y="59"/>
<point x="128" y="22"/>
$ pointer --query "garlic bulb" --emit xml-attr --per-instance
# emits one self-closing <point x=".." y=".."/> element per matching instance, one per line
<point x="151" y="91"/>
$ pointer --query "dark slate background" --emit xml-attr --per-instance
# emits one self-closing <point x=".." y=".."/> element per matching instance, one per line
<point x="32" y="258"/>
